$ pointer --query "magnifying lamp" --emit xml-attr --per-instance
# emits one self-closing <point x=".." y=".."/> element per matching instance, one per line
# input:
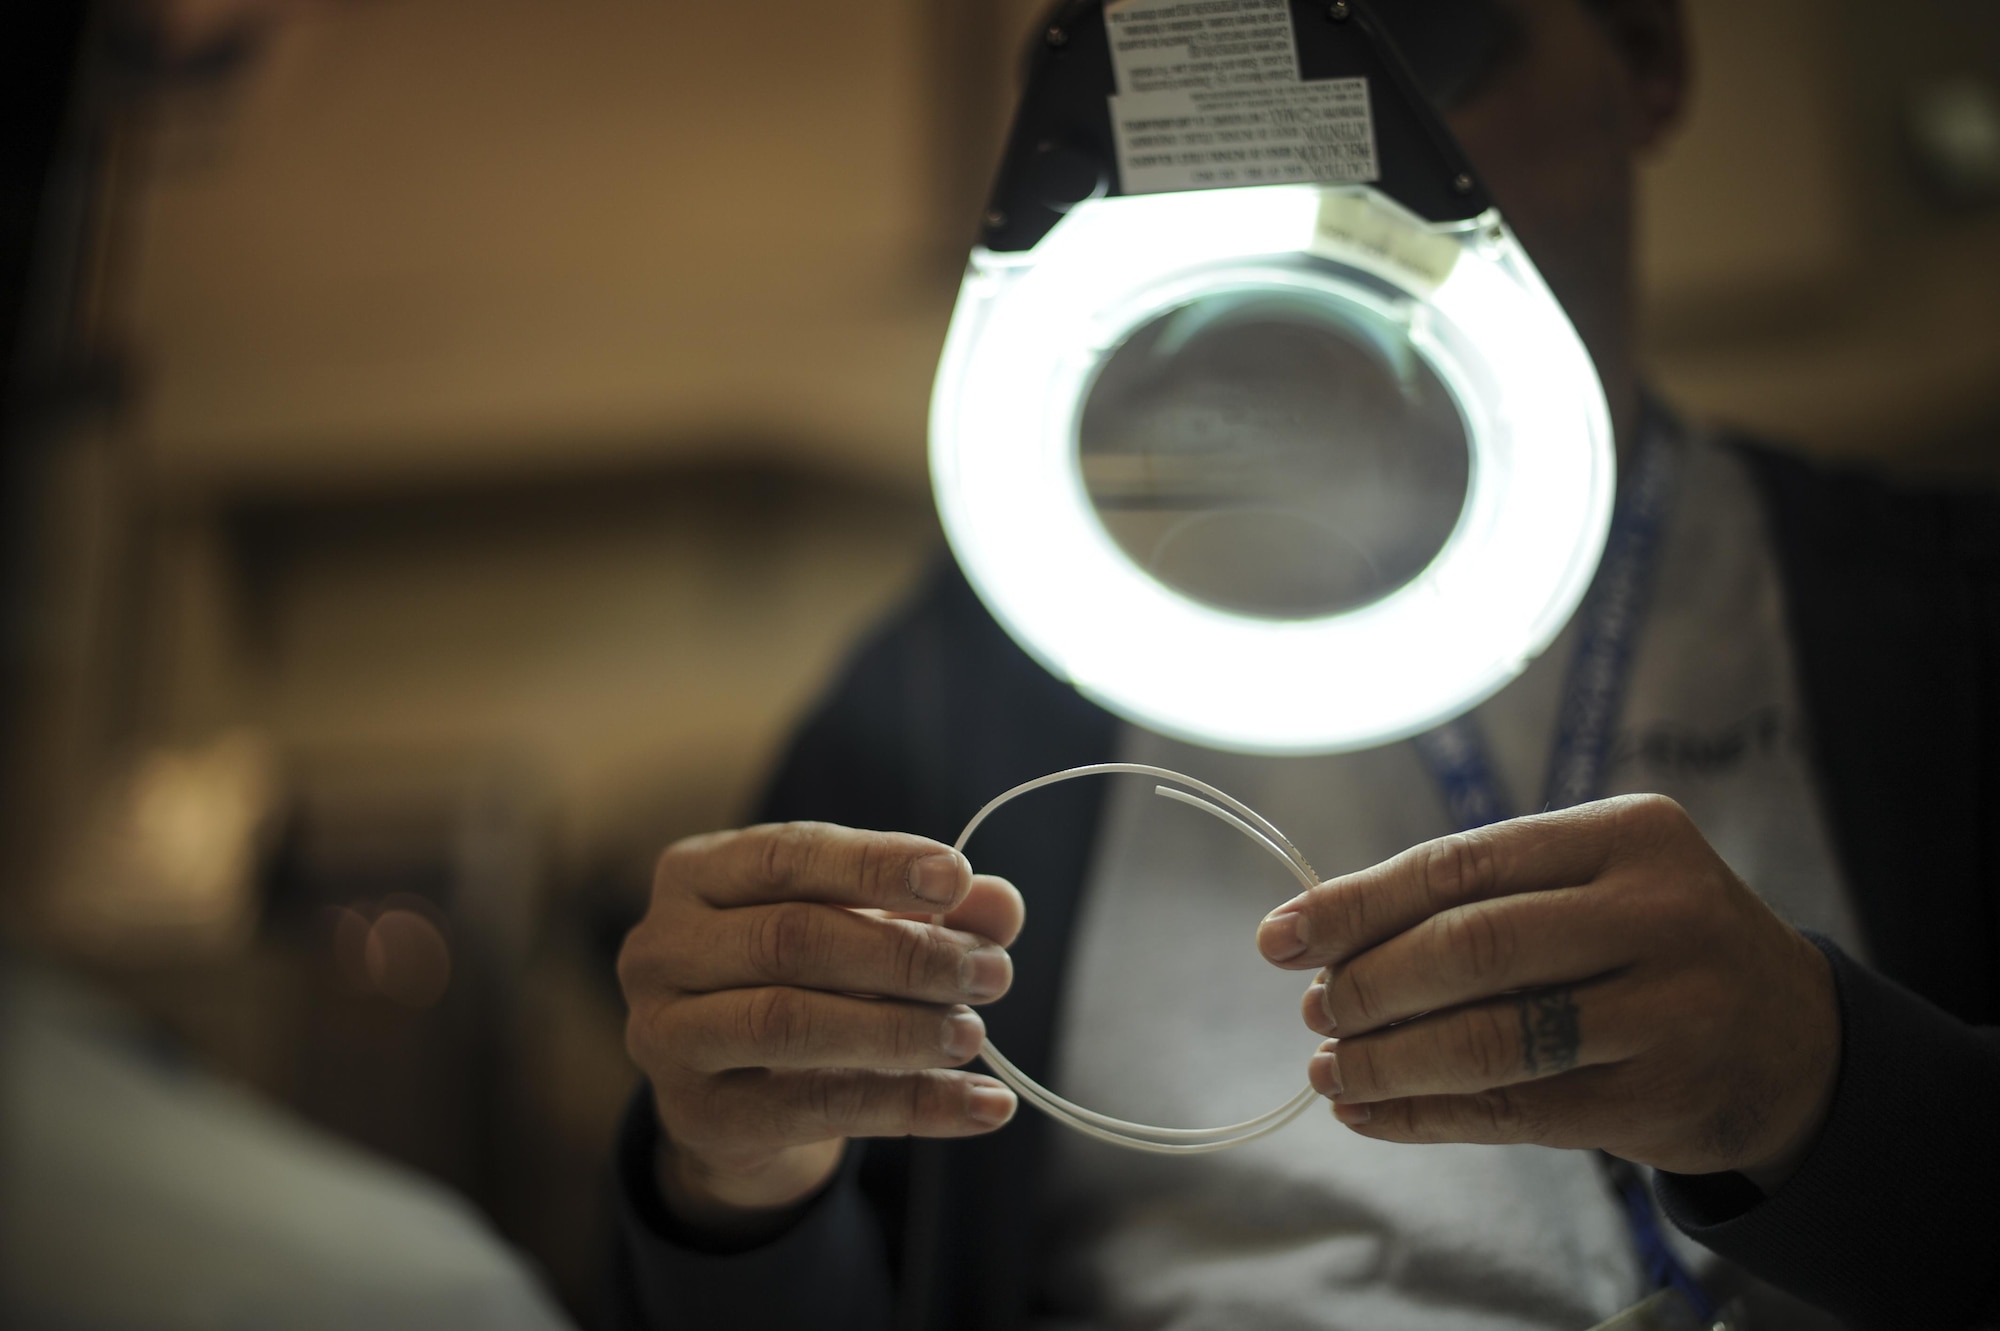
<point x="1254" y="420"/>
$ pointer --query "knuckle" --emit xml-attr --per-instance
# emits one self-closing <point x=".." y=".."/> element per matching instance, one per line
<point x="916" y="959"/>
<point x="1499" y="1113"/>
<point x="875" y="861"/>
<point x="776" y="1022"/>
<point x="1345" y="911"/>
<point x="1508" y="1114"/>
<point x="1398" y="1120"/>
<point x="656" y="958"/>
<point x="785" y="941"/>
<point x="915" y="1037"/>
<point x="819" y="1098"/>
<point x="784" y="854"/>
<point x="671" y="864"/>
<point x="1360" y="1073"/>
<point x="649" y="1036"/>
<point x="1480" y="942"/>
<point x="684" y="862"/>
<point x="1648" y="818"/>
<point x="1364" y="996"/>
<point x="1459" y="867"/>
<point x="916" y="1098"/>
<point x="1485" y="1045"/>
<point x="933" y="1103"/>
<point x="836" y="1099"/>
<point x="1339" y="915"/>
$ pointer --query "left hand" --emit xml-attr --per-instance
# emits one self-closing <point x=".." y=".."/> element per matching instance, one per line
<point x="1594" y="978"/>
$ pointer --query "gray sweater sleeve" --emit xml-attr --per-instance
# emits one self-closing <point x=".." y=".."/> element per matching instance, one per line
<point x="827" y="1271"/>
<point x="1893" y="1219"/>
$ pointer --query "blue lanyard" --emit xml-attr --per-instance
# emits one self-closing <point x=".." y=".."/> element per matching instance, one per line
<point x="1609" y="624"/>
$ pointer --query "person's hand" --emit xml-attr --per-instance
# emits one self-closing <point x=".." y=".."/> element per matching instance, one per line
<point x="1595" y="977"/>
<point x="787" y="991"/>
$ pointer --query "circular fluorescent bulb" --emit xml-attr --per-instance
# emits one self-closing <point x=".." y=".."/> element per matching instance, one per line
<point x="1028" y="339"/>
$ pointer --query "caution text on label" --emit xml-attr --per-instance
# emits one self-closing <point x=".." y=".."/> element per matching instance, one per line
<point x="1283" y="133"/>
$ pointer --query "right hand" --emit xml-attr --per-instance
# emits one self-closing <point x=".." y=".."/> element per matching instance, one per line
<point x="787" y="990"/>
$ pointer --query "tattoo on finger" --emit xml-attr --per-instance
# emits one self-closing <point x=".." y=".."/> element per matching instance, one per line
<point x="1551" y="1031"/>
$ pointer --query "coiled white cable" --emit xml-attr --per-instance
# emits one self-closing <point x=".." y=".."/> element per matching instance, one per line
<point x="1141" y="1136"/>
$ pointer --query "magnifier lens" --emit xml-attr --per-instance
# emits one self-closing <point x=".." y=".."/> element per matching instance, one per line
<point x="1275" y="453"/>
<point x="1271" y="438"/>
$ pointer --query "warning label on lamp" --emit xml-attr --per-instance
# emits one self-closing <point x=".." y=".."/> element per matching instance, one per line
<point x="1209" y="95"/>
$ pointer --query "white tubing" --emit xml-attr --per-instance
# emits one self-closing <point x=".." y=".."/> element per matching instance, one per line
<point x="1118" y="1132"/>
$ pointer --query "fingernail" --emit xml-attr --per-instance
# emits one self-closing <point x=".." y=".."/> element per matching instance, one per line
<point x="1316" y="996"/>
<point x="936" y="878"/>
<point x="1326" y="999"/>
<point x="964" y="1032"/>
<point x="991" y="1105"/>
<point x="1282" y="936"/>
<point x="1325" y="1071"/>
<point x="1352" y="1114"/>
<point x="984" y="972"/>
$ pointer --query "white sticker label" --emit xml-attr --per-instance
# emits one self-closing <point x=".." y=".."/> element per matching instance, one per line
<point x="1210" y="96"/>
<point x="1351" y="224"/>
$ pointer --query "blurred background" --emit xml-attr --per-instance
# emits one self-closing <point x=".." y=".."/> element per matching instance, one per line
<point x="460" y="435"/>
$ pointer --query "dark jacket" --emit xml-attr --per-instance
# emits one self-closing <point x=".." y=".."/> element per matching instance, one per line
<point x="1893" y="1220"/>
